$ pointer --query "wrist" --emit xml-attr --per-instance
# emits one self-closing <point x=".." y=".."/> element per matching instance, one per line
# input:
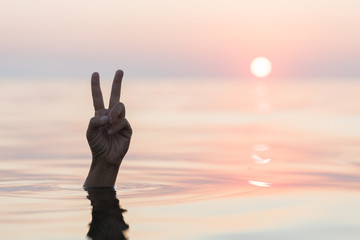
<point x="101" y="174"/>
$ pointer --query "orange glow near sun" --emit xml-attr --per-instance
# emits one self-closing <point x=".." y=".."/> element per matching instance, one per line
<point x="260" y="67"/>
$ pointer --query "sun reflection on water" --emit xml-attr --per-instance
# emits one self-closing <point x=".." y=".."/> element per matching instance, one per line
<point x="262" y="107"/>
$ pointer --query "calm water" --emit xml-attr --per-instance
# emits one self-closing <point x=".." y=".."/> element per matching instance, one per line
<point x="209" y="159"/>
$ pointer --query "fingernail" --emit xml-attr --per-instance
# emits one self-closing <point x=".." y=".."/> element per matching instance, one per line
<point x="103" y="119"/>
<point x="110" y="131"/>
<point x="110" y="119"/>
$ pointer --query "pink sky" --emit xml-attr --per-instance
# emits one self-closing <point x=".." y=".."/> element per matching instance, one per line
<point x="179" y="38"/>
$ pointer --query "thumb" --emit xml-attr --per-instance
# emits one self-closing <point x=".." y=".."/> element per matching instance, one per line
<point x="99" y="121"/>
<point x="95" y="123"/>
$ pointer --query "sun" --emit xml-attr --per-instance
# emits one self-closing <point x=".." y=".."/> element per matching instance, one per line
<point x="260" y="67"/>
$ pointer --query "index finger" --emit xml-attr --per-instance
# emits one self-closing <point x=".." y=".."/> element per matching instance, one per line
<point x="116" y="88"/>
<point x="96" y="92"/>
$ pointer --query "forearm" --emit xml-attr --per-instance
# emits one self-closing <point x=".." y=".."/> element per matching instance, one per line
<point x="101" y="174"/>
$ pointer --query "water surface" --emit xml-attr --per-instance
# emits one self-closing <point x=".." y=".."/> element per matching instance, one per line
<point x="209" y="159"/>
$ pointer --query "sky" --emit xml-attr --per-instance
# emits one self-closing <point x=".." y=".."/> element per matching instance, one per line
<point x="197" y="38"/>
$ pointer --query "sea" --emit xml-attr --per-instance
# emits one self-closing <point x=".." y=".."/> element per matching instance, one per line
<point x="210" y="159"/>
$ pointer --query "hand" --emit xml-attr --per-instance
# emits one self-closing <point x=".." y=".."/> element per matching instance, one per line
<point x="108" y="134"/>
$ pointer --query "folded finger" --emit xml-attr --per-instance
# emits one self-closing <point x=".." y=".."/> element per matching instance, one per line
<point x="117" y="112"/>
<point x="121" y="125"/>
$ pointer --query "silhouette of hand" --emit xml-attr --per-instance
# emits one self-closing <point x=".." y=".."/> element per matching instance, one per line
<point x="108" y="134"/>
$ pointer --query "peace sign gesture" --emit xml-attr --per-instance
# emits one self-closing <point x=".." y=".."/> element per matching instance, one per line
<point x="108" y="134"/>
